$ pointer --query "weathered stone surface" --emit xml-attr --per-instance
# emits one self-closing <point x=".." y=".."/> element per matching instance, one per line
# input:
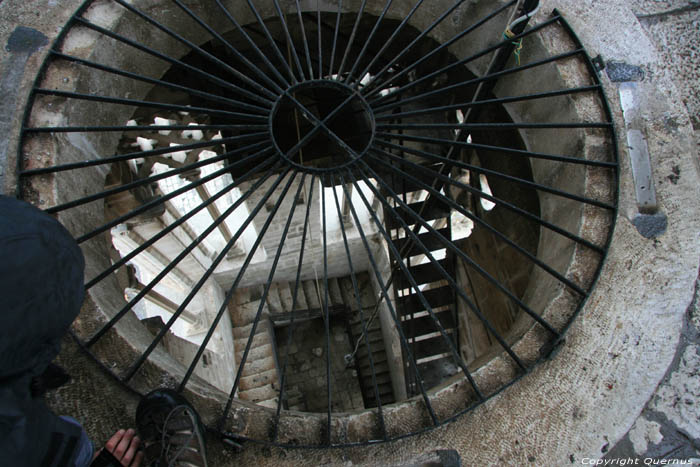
<point x="612" y="360"/>
<point x="620" y="72"/>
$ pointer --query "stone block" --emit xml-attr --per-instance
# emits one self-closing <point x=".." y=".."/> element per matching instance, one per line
<point x="253" y="367"/>
<point x="258" y="394"/>
<point x="257" y="380"/>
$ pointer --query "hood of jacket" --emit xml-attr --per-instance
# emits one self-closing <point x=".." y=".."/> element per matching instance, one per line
<point x="41" y="285"/>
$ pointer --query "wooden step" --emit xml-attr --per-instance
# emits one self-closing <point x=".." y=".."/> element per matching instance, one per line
<point x="435" y="211"/>
<point x="437" y="297"/>
<point x="426" y="324"/>
<point x="429" y="347"/>
<point x="422" y="274"/>
<point x="430" y="241"/>
<point x="400" y="185"/>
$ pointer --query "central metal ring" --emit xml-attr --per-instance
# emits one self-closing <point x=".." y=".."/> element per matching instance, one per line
<point x="322" y="125"/>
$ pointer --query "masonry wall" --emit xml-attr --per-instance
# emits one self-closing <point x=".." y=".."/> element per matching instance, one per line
<point x="307" y="375"/>
<point x="258" y="272"/>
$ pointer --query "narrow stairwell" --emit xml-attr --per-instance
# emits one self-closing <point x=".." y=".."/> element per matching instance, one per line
<point x="374" y="336"/>
<point x="259" y="380"/>
<point x="427" y="345"/>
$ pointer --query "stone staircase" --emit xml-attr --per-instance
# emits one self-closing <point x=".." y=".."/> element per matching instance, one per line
<point x="260" y="382"/>
<point x="379" y="361"/>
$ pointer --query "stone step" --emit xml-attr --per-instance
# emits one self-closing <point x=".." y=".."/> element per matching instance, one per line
<point x="347" y="292"/>
<point x="260" y="339"/>
<point x="376" y="347"/>
<point x="285" y="293"/>
<point x="270" y="403"/>
<point x="378" y="354"/>
<point x="375" y="343"/>
<point x="243" y="332"/>
<point x="244" y="314"/>
<point x="382" y="378"/>
<point x="374" y="329"/>
<point x="258" y="394"/>
<point x="336" y="297"/>
<point x="380" y="365"/>
<point x="301" y="296"/>
<point x="292" y="392"/>
<point x="385" y="397"/>
<point x="259" y="379"/>
<point x="247" y="294"/>
<point x="274" y="303"/>
<point x="257" y="353"/>
<point x="365" y="288"/>
<point x="384" y="389"/>
<point x="312" y="296"/>
<point x="357" y="321"/>
<point x="296" y="401"/>
<point x="253" y="367"/>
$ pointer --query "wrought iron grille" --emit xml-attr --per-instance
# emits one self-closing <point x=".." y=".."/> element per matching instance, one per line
<point x="238" y="172"/>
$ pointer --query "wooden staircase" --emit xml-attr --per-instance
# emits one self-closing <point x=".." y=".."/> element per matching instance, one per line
<point x="430" y="349"/>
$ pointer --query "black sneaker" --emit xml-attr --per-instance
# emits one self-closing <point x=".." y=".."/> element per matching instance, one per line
<point x="171" y="430"/>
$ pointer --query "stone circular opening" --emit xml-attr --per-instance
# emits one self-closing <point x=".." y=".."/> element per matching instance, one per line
<point x="485" y="261"/>
<point x="321" y="124"/>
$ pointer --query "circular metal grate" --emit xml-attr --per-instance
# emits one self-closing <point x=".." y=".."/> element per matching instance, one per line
<point x="330" y="223"/>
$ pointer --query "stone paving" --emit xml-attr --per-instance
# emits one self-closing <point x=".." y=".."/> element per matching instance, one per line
<point x="673" y="25"/>
<point x="669" y="425"/>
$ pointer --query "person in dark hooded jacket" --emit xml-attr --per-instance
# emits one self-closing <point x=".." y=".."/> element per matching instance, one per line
<point x="41" y="292"/>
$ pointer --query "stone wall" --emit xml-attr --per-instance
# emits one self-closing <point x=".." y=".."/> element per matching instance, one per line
<point x="307" y="374"/>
